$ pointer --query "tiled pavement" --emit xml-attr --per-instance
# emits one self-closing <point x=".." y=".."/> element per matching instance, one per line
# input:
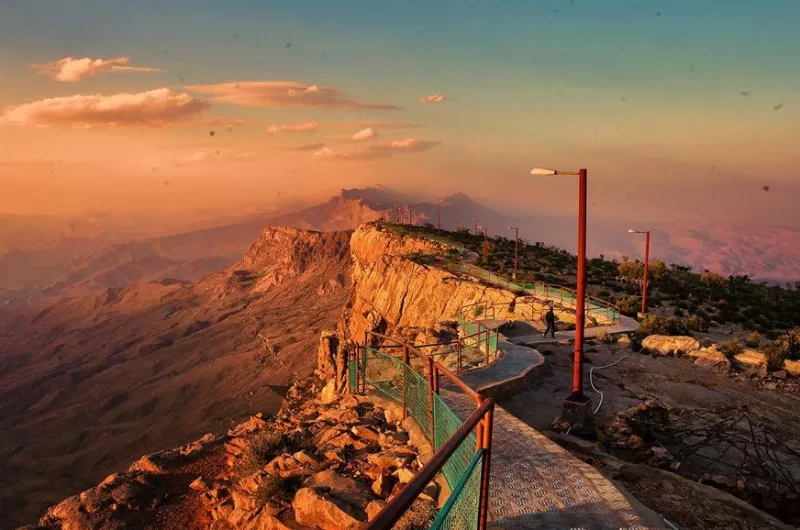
<point x="535" y="484"/>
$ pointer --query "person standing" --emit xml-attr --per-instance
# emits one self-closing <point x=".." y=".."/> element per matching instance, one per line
<point x="550" y="319"/>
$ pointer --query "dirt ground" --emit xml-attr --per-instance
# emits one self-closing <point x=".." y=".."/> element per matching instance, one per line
<point x="676" y="382"/>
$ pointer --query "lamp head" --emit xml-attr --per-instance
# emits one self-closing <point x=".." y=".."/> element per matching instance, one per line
<point x="543" y="171"/>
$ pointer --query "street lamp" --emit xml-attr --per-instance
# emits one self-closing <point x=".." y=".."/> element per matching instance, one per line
<point x="516" y="244"/>
<point x="646" y="266"/>
<point x="577" y="395"/>
<point x="485" y="243"/>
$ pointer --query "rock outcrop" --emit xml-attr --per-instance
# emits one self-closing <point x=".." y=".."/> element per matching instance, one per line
<point x="669" y="345"/>
<point x="320" y="465"/>
<point x="393" y="290"/>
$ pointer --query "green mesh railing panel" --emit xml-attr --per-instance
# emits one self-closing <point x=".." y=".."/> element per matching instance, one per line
<point x="460" y="512"/>
<point x="470" y="328"/>
<point x="384" y="372"/>
<point x="418" y="400"/>
<point x="445" y="424"/>
<point x="493" y="337"/>
<point x="352" y="374"/>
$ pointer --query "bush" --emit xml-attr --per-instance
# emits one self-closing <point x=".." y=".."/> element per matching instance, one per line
<point x="654" y="325"/>
<point x="629" y="306"/>
<point x="732" y="347"/>
<point x="605" y="337"/>
<point x="786" y="346"/>
<point x="697" y="323"/>
<point x="261" y="448"/>
<point x="753" y="339"/>
<point x="678" y="312"/>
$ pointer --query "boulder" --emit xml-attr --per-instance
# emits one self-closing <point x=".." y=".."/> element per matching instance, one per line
<point x="200" y="484"/>
<point x="624" y="342"/>
<point x="314" y="509"/>
<point x="711" y="358"/>
<point x="751" y="358"/>
<point x="793" y="367"/>
<point x="667" y="345"/>
<point x="342" y="488"/>
<point x="373" y="508"/>
<point x="265" y="520"/>
<point x="252" y="425"/>
<point x="328" y="394"/>
<point x="780" y="374"/>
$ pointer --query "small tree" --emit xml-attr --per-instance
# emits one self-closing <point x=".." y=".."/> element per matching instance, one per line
<point x="713" y="279"/>
<point x="753" y="339"/>
<point x="631" y="271"/>
<point x="629" y="306"/>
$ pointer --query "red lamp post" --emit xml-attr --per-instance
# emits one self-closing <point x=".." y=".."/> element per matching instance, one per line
<point x="646" y="266"/>
<point x="516" y="245"/>
<point x="580" y="304"/>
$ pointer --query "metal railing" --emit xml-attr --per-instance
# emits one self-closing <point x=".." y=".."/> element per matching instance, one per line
<point x="463" y="448"/>
<point x="600" y="309"/>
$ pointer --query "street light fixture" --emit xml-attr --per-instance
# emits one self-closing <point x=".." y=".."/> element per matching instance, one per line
<point x="485" y="243"/>
<point x="646" y="266"/>
<point x="516" y="252"/>
<point x="577" y="397"/>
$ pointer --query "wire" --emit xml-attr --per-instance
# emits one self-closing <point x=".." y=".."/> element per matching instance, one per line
<point x="591" y="380"/>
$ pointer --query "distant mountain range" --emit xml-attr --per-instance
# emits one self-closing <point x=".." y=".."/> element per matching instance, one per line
<point x="97" y="252"/>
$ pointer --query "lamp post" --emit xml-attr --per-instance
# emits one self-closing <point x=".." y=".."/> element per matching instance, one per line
<point x="516" y="245"/>
<point x="475" y="227"/>
<point x="646" y="266"/>
<point x="396" y="209"/>
<point x="410" y="221"/>
<point x="485" y="243"/>
<point x="577" y="395"/>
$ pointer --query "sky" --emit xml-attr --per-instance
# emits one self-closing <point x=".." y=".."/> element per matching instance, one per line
<point x="680" y="110"/>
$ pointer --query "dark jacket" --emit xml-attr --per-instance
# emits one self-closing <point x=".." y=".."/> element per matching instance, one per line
<point x="550" y="317"/>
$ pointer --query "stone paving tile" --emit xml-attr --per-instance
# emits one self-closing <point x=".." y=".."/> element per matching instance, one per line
<point x="536" y="484"/>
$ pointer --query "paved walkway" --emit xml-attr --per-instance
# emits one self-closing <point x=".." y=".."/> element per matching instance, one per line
<point x="626" y="325"/>
<point x="536" y="484"/>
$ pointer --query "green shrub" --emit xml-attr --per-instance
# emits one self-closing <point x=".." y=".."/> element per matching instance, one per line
<point x="629" y="306"/>
<point x="655" y="325"/>
<point x="786" y="346"/>
<point x="261" y="448"/>
<point x="753" y="339"/>
<point x="605" y="337"/>
<point x="697" y="323"/>
<point x="732" y="347"/>
<point x="678" y="312"/>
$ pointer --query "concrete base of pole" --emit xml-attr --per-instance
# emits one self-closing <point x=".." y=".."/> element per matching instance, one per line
<point x="577" y="410"/>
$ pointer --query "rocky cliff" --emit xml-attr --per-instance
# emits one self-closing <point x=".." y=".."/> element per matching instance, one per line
<point x="393" y="289"/>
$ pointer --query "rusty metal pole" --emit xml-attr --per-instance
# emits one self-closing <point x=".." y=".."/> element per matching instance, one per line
<point x="580" y="302"/>
<point x="483" y="506"/>
<point x="458" y="354"/>
<point x="646" y="270"/>
<point x="475" y="227"/>
<point x="405" y="369"/>
<point x="431" y="390"/>
<point x="485" y="248"/>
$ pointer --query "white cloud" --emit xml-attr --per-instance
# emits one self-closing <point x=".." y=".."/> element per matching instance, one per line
<point x="71" y="70"/>
<point x="156" y="108"/>
<point x="433" y="98"/>
<point x="282" y="94"/>
<point x="310" y="126"/>
<point x="376" y="150"/>
<point x="365" y="134"/>
<point x="206" y="156"/>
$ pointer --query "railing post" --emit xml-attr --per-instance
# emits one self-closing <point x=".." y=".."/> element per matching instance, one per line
<point x="431" y="390"/>
<point x="458" y="355"/>
<point x="405" y="387"/>
<point x="483" y="504"/>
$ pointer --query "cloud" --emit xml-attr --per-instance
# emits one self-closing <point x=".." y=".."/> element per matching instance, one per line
<point x="365" y="134"/>
<point x="206" y="156"/>
<point x="155" y="108"/>
<point x="71" y="70"/>
<point x="433" y="98"/>
<point x="310" y="126"/>
<point x="282" y="94"/>
<point x="309" y="147"/>
<point x="376" y="150"/>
